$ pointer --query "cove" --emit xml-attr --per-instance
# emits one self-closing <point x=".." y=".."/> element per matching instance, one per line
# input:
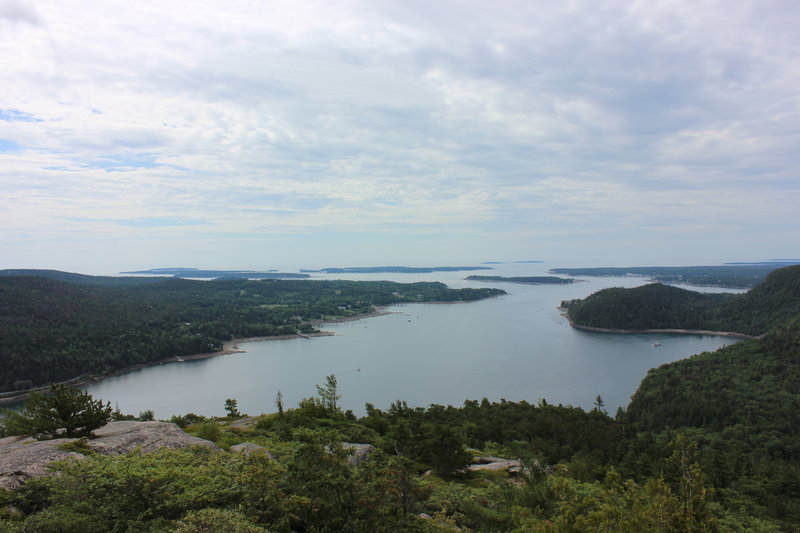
<point x="514" y="347"/>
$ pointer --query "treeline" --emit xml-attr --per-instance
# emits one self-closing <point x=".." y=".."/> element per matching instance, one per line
<point x="54" y="330"/>
<point x="657" y="306"/>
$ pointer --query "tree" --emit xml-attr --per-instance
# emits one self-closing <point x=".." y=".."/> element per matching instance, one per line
<point x="231" y="406"/>
<point x="329" y="395"/>
<point x="63" y="412"/>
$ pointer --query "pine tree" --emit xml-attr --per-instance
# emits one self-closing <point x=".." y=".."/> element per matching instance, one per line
<point x="62" y="412"/>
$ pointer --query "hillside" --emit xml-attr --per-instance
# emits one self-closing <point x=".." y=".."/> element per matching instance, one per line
<point x="657" y="306"/>
<point x="54" y="330"/>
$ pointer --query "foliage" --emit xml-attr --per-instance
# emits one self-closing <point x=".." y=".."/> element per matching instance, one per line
<point x="329" y="395"/>
<point x="216" y="521"/>
<point x="232" y="408"/>
<point x="63" y="412"/>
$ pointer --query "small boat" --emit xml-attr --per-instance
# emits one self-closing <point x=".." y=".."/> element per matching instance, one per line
<point x="656" y="344"/>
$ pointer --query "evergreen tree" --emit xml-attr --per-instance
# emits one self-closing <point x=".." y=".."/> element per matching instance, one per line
<point x="63" y="412"/>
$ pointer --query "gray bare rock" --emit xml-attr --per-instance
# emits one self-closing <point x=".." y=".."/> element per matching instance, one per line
<point x="22" y="458"/>
<point x="246" y="448"/>
<point x="121" y="437"/>
<point x="496" y="464"/>
<point x="246" y="422"/>
<point x="360" y="454"/>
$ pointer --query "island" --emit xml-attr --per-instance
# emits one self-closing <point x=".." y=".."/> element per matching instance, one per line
<point x="731" y="275"/>
<point x="529" y="280"/>
<point x="196" y="273"/>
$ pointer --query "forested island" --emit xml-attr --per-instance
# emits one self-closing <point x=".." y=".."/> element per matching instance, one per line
<point x="58" y="326"/>
<point x="196" y="273"/>
<point x="707" y="444"/>
<point x="735" y="275"/>
<point x="530" y="280"/>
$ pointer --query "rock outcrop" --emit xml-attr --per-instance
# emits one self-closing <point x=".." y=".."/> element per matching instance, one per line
<point x="360" y="452"/>
<point x="22" y="458"/>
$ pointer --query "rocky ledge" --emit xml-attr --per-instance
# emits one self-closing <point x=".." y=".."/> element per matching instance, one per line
<point x="22" y="458"/>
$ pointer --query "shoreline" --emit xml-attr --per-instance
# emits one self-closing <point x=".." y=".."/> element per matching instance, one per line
<point x="228" y="348"/>
<point x="669" y="330"/>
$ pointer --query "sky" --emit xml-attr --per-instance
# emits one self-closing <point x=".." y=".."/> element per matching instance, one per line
<point x="305" y="134"/>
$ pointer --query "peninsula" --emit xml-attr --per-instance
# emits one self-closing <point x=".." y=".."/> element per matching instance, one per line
<point x="53" y="330"/>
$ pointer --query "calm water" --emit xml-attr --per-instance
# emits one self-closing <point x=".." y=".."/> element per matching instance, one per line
<point x="516" y="347"/>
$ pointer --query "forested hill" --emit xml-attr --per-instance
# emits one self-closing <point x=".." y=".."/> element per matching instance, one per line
<point x="53" y="330"/>
<point x="657" y="306"/>
<point x="740" y="405"/>
<point x="753" y="384"/>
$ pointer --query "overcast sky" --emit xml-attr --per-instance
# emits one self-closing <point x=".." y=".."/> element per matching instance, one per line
<point x="266" y="134"/>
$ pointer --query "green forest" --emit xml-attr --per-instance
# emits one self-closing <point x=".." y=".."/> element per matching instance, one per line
<point x="657" y="306"/>
<point x="709" y="443"/>
<point x="58" y="326"/>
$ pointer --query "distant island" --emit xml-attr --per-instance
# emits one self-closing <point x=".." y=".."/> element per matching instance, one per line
<point x="394" y="270"/>
<point x="218" y="274"/>
<point x="737" y="276"/>
<point x="530" y="280"/>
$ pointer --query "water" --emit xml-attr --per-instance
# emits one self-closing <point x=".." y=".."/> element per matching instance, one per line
<point x="514" y="347"/>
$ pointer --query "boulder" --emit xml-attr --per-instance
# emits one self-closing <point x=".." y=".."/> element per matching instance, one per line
<point x="22" y="458"/>
<point x="360" y="454"/>
<point x="246" y="448"/>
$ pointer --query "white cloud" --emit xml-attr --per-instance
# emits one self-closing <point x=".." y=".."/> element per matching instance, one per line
<point x="452" y="118"/>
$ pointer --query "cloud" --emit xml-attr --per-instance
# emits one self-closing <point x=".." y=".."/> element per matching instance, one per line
<point x="443" y="119"/>
<point x="19" y="11"/>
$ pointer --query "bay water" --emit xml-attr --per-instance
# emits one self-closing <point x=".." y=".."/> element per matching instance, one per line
<point x="514" y="347"/>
